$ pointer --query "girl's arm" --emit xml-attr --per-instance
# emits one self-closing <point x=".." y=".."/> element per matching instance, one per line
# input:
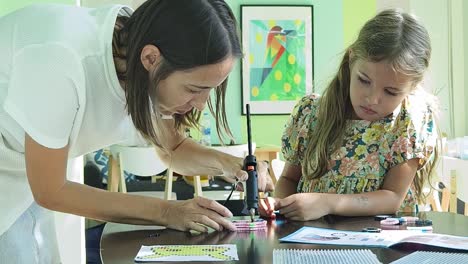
<point x="386" y="200"/>
<point x="46" y="170"/>
<point x="310" y="206"/>
<point x="285" y="186"/>
<point x="287" y="183"/>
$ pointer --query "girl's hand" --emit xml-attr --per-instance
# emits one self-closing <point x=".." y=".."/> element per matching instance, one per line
<point x="303" y="206"/>
<point x="266" y="207"/>
<point x="197" y="214"/>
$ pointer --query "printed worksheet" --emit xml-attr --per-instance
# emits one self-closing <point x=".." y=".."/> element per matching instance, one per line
<point x="187" y="253"/>
<point x="386" y="238"/>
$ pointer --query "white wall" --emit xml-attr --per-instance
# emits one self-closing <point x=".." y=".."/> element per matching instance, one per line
<point x="434" y="15"/>
<point x="465" y="43"/>
<point x="445" y="77"/>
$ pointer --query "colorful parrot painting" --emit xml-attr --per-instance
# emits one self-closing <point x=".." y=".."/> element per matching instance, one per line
<point x="277" y="59"/>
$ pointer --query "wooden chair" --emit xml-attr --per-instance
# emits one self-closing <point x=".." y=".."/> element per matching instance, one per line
<point x="277" y="166"/>
<point x="141" y="161"/>
<point x="453" y="185"/>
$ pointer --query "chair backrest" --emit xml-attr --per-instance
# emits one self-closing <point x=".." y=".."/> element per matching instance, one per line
<point x="452" y="173"/>
<point x="240" y="151"/>
<point x="141" y="161"/>
<point x="277" y="165"/>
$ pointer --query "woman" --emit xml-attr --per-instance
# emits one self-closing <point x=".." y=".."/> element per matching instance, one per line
<point x="82" y="79"/>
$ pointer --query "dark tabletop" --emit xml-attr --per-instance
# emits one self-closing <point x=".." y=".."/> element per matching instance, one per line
<point x="121" y="243"/>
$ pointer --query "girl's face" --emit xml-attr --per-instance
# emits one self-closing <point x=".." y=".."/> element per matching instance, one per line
<point x="376" y="90"/>
<point x="182" y="91"/>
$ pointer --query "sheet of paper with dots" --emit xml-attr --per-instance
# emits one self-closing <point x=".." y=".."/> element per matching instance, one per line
<point x="187" y="253"/>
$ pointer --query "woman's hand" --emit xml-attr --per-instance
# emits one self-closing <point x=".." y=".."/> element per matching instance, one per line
<point x="234" y="170"/>
<point x="266" y="207"/>
<point x="197" y="214"/>
<point x="303" y="206"/>
<point x="265" y="183"/>
<point x="190" y="158"/>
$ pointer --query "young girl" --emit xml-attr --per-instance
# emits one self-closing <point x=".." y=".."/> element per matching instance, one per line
<point x="74" y="80"/>
<point x="367" y="145"/>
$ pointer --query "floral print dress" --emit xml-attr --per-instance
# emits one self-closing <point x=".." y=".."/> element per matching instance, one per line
<point x="370" y="150"/>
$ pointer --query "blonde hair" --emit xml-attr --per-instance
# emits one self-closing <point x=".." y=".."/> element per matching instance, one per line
<point x="391" y="36"/>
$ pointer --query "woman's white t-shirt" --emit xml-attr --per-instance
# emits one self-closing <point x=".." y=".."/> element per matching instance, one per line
<point x="57" y="84"/>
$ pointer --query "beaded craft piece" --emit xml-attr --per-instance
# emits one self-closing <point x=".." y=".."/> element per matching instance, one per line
<point x="187" y="253"/>
<point x="247" y="225"/>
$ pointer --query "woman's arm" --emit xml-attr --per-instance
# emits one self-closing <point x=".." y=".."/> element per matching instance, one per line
<point x="309" y="206"/>
<point x="46" y="170"/>
<point x="187" y="157"/>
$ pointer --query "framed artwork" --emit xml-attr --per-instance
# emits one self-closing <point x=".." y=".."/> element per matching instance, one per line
<point x="277" y="67"/>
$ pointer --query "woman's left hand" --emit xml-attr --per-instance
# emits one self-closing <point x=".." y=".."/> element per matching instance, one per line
<point x="303" y="206"/>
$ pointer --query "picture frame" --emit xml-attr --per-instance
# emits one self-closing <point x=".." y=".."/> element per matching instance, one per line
<point x="277" y="67"/>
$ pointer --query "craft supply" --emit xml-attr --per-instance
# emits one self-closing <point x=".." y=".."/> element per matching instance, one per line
<point x="250" y="166"/>
<point x="187" y="253"/>
<point x="420" y="228"/>
<point x="371" y="230"/>
<point x="381" y="217"/>
<point x="247" y="225"/>
<point x="390" y="221"/>
<point x="426" y="222"/>
<point x="409" y="219"/>
<point x="390" y="227"/>
<point x="349" y="256"/>
<point x="428" y="257"/>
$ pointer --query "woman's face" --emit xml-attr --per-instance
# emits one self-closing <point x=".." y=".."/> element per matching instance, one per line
<point x="376" y="90"/>
<point x="184" y="90"/>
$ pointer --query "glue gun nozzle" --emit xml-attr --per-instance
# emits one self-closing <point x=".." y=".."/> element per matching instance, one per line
<point x="252" y="214"/>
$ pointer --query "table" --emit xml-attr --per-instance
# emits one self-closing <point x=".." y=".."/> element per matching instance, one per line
<point x="120" y="244"/>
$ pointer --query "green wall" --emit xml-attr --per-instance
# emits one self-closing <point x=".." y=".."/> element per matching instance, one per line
<point x="336" y="22"/>
<point x="354" y="17"/>
<point x="328" y="40"/>
<point x="7" y="6"/>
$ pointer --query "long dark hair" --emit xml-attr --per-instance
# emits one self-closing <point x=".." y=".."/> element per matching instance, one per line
<point x="188" y="33"/>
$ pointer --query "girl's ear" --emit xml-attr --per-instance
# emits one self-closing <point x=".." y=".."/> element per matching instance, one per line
<point x="150" y="57"/>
